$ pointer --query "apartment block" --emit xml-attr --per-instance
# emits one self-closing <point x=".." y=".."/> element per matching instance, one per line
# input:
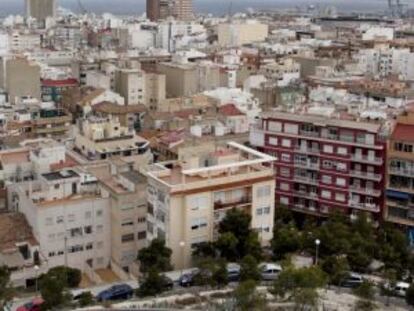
<point x="400" y="172"/>
<point x="41" y="9"/>
<point x="188" y="198"/>
<point x="239" y="33"/>
<point x="324" y="164"/>
<point x="69" y="216"/>
<point x="130" y="84"/>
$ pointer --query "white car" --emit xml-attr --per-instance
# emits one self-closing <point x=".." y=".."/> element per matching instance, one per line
<point x="401" y="289"/>
<point x="270" y="271"/>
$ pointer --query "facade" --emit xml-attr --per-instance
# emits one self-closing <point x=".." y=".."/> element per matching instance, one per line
<point x="153" y="10"/>
<point x="103" y="138"/>
<point x="69" y="216"/>
<point x="41" y="9"/>
<point x="52" y="89"/>
<point x="400" y="173"/>
<point x="241" y="32"/>
<point x="188" y="198"/>
<point x="182" y="9"/>
<point x="323" y="164"/>
<point x="130" y="84"/>
<point x="22" y="79"/>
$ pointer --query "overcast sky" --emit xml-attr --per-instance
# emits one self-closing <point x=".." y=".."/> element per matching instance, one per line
<point x="213" y="6"/>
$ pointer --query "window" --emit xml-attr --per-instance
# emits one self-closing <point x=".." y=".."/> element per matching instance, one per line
<point x="259" y="211"/>
<point x="89" y="246"/>
<point x="198" y="223"/>
<point x="142" y="235"/>
<point x="326" y="194"/>
<point x="87" y="229"/>
<point x="263" y="191"/>
<point x="340" y="197"/>
<point x="403" y="147"/>
<point x="285" y="172"/>
<point x="274" y="126"/>
<point x="273" y="141"/>
<point x="328" y="148"/>
<point x="342" y="151"/>
<point x="59" y="219"/>
<point x="142" y="220"/>
<point x="284" y="186"/>
<point x="284" y="200"/>
<point x="341" y="181"/>
<point x="327" y="179"/>
<point x="285" y="157"/>
<point x="340" y="166"/>
<point x="71" y="218"/>
<point x="49" y="221"/>
<point x="75" y="232"/>
<point x="266" y="210"/>
<point x="327" y="164"/>
<point x="88" y="215"/>
<point x="198" y="202"/>
<point x="286" y="143"/>
<point x="291" y="128"/>
<point x="99" y="213"/>
<point x="56" y="186"/>
<point x="51" y="254"/>
<point x="127" y="238"/>
<point x="75" y="248"/>
<point x="127" y="222"/>
<point x="99" y="228"/>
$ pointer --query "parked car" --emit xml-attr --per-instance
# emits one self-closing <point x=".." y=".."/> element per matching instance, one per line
<point x="186" y="280"/>
<point x="401" y="289"/>
<point x="116" y="292"/>
<point x="270" y="271"/>
<point x="33" y="305"/>
<point x="233" y="272"/>
<point x="352" y="280"/>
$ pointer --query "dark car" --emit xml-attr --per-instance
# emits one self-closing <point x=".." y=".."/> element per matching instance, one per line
<point x="167" y="282"/>
<point x="186" y="280"/>
<point x="33" y="305"/>
<point x="352" y="280"/>
<point x="233" y="272"/>
<point x="116" y="292"/>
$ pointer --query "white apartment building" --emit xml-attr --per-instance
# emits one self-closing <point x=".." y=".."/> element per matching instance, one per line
<point x="70" y="218"/>
<point x="283" y="72"/>
<point x="241" y="32"/>
<point x="188" y="198"/>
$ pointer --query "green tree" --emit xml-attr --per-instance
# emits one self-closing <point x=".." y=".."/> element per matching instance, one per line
<point x="306" y="299"/>
<point x="219" y="274"/>
<point x="204" y="250"/>
<point x="390" y="277"/>
<point x="409" y="297"/>
<point x="249" y="269"/>
<point x="238" y="223"/>
<point x="246" y="297"/>
<point x="227" y="246"/>
<point x="70" y="276"/>
<point x="336" y="267"/>
<point x="6" y="290"/>
<point x="252" y="246"/>
<point x="153" y="284"/>
<point x="286" y="239"/>
<point x="156" y="256"/>
<point x="53" y="291"/>
<point x="292" y="282"/>
<point x="86" y="299"/>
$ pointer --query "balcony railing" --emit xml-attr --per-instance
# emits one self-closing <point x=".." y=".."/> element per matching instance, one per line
<point x="307" y="195"/>
<point x="309" y="165"/>
<point x="305" y="179"/>
<point x="366" y="175"/>
<point x="364" y="206"/>
<point x="365" y="191"/>
<point x="309" y="150"/>
<point x="241" y="201"/>
<point x="366" y="159"/>
<point x="401" y="171"/>
<point x="309" y="133"/>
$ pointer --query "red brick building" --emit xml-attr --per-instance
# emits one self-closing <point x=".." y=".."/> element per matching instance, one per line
<point x="324" y="164"/>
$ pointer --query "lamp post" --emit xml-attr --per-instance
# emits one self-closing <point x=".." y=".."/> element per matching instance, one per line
<point x="317" y="243"/>
<point x="182" y="245"/>
<point x="36" y="268"/>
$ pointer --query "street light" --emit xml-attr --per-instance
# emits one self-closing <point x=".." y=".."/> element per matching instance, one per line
<point x="182" y="245"/>
<point x="317" y="243"/>
<point x="36" y="268"/>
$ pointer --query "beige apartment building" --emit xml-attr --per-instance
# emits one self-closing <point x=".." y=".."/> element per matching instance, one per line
<point x="130" y="84"/>
<point x="241" y="32"/>
<point x="186" y="79"/>
<point x="188" y="198"/>
<point x="22" y="79"/>
<point x="155" y="89"/>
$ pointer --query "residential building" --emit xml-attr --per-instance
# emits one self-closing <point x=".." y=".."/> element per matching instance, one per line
<point x="400" y="172"/>
<point x="238" y="33"/>
<point x="103" y="138"/>
<point x="41" y="9"/>
<point x="52" y="89"/>
<point x="324" y="164"/>
<point x="130" y="84"/>
<point x="188" y="198"/>
<point x="69" y="216"/>
<point x="153" y="10"/>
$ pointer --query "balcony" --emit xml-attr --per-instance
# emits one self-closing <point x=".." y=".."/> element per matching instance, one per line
<point x="401" y="171"/>
<point x="305" y="179"/>
<point x="365" y="191"/>
<point x="365" y="206"/>
<point x="245" y="200"/>
<point x="366" y="175"/>
<point x="307" y="165"/>
<point x="366" y="159"/>
<point x="307" y="150"/>
<point x="306" y="195"/>
<point x="309" y="133"/>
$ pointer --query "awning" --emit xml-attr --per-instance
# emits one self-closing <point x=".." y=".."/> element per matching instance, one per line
<point x="398" y="195"/>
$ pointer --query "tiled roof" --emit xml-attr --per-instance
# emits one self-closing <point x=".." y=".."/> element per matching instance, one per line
<point x="230" y="110"/>
<point x="403" y="132"/>
<point x="65" y="82"/>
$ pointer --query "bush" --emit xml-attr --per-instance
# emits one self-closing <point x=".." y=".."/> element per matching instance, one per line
<point x="86" y="299"/>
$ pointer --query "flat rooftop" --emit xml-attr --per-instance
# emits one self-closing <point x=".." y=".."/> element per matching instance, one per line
<point x="65" y="174"/>
<point x="14" y="229"/>
<point x="322" y="121"/>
